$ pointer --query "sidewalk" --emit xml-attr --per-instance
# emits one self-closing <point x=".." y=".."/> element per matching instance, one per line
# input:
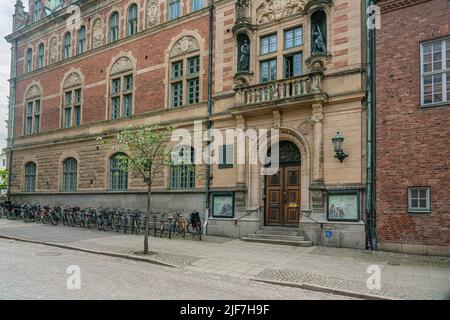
<point x="321" y="268"/>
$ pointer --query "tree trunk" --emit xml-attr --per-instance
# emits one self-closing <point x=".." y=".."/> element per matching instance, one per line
<point x="147" y="216"/>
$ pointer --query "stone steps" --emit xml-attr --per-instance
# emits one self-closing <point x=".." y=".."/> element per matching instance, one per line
<point x="279" y="235"/>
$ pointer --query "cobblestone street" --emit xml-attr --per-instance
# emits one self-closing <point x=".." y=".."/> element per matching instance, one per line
<point x="31" y="271"/>
<point x="402" y="276"/>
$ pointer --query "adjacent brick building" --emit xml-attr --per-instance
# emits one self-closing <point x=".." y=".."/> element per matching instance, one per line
<point x="412" y="123"/>
<point x="296" y="66"/>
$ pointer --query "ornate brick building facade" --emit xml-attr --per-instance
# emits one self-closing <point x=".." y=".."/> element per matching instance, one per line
<point x="292" y="65"/>
<point x="413" y="113"/>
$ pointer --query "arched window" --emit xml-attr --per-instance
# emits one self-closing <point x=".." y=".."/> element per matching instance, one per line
<point x="174" y="9"/>
<point x="118" y="172"/>
<point x="72" y="101"/>
<point x="69" y="178"/>
<point x="132" y="20"/>
<point x="196" y="5"/>
<point x="29" y="60"/>
<point x="114" y="27"/>
<point x="67" y="45"/>
<point x="182" y="170"/>
<point x="37" y="10"/>
<point x="121" y="88"/>
<point x="32" y="111"/>
<point x="30" y="177"/>
<point x="81" y="46"/>
<point x="41" y="56"/>
<point x="185" y="72"/>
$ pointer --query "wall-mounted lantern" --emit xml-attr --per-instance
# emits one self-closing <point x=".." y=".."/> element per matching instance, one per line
<point x="338" y="142"/>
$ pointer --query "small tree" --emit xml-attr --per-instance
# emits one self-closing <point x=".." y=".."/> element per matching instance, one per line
<point x="3" y="179"/>
<point x="145" y="152"/>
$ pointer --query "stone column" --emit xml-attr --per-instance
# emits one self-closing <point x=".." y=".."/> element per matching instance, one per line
<point x="317" y="187"/>
<point x="240" y="124"/>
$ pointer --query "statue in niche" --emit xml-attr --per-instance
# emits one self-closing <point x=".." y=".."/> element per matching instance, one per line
<point x="318" y="41"/>
<point x="243" y="54"/>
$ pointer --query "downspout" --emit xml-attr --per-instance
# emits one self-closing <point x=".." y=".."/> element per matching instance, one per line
<point x="12" y="104"/>
<point x="370" y="133"/>
<point x="209" y="123"/>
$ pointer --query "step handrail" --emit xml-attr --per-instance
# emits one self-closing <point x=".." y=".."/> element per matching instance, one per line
<point x="248" y="213"/>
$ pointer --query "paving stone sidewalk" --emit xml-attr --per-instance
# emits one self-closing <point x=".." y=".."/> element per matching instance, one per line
<point x="402" y="276"/>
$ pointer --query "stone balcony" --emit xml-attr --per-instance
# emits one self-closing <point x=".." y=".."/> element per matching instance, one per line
<point x="279" y="90"/>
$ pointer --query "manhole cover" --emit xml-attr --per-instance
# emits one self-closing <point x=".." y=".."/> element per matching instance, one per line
<point x="48" y="254"/>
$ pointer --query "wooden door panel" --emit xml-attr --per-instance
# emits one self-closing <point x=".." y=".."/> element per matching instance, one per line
<point x="291" y="212"/>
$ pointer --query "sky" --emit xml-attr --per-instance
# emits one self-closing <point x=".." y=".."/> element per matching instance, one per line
<point x="6" y="12"/>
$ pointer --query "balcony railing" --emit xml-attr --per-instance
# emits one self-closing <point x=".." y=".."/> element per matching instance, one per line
<point x="279" y="90"/>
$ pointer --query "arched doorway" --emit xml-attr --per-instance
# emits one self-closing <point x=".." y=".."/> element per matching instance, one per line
<point x="282" y="190"/>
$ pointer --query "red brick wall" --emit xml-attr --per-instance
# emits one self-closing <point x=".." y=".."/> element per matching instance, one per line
<point x="413" y="143"/>
<point x="148" y="51"/>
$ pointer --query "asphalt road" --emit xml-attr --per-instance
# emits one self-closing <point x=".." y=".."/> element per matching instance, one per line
<point x="32" y="271"/>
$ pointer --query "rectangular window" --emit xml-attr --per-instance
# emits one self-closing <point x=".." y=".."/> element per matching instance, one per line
<point x="177" y="70"/>
<point x="115" y="107"/>
<point x="77" y="116"/>
<point x="194" y="65"/>
<point x="269" y="70"/>
<point x="435" y="72"/>
<point x="177" y="94"/>
<point x="293" y="38"/>
<point x="174" y="9"/>
<point x="226" y="156"/>
<point x="196" y="5"/>
<point x="128" y="83"/>
<point x="116" y="86"/>
<point x="194" y="91"/>
<point x="293" y="65"/>
<point x="419" y="200"/>
<point x="269" y="44"/>
<point x="127" y="105"/>
<point x="37" y="10"/>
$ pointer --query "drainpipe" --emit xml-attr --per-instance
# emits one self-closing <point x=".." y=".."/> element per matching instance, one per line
<point x="12" y="108"/>
<point x="209" y="123"/>
<point x="370" y="132"/>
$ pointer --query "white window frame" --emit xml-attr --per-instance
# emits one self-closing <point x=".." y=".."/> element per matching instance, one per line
<point x="443" y="71"/>
<point x="412" y="209"/>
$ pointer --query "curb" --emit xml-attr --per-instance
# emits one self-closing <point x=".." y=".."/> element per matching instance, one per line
<point x="104" y="253"/>
<point x="313" y="287"/>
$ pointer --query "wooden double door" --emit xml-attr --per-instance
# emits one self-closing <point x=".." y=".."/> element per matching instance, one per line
<point x="282" y="207"/>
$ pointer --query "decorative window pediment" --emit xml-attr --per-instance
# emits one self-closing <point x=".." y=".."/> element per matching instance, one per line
<point x="185" y="45"/>
<point x="33" y="92"/>
<point x="73" y="80"/>
<point x="122" y="65"/>
<point x="274" y="10"/>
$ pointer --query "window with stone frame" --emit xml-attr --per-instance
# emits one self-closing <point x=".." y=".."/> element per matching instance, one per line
<point x="419" y="200"/>
<point x="114" y="27"/>
<point x="69" y="175"/>
<point x="32" y="116"/>
<point x="41" y="56"/>
<point x="196" y="5"/>
<point x="174" y="9"/>
<point x="118" y="176"/>
<point x="121" y="89"/>
<point x="435" y="72"/>
<point x="185" y="81"/>
<point x="29" y="60"/>
<point x="30" y="177"/>
<point x="72" y="108"/>
<point x="132" y="20"/>
<point x="81" y="45"/>
<point x="67" y="48"/>
<point x="182" y="170"/>
<point x="37" y="12"/>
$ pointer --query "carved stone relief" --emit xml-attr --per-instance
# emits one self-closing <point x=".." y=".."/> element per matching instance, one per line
<point x="53" y="51"/>
<point x="185" y="45"/>
<point x="152" y="13"/>
<point x="123" y="64"/>
<point x="274" y="10"/>
<point x="72" y="80"/>
<point x="97" y="34"/>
